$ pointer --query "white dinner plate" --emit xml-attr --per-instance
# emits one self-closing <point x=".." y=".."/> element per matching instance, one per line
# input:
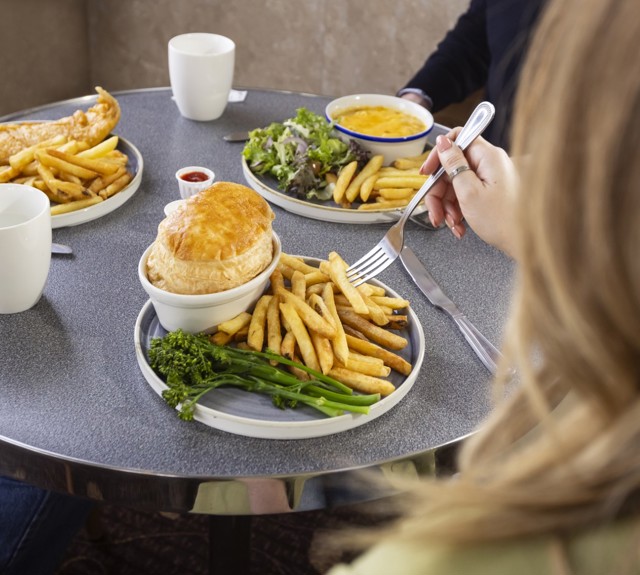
<point x="96" y="211"/>
<point x="327" y="211"/>
<point x="254" y="415"/>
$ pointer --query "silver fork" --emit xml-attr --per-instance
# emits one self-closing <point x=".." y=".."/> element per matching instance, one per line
<point x="390" y="246"/>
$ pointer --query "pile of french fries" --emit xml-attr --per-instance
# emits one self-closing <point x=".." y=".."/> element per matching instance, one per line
<point x="317" y="317"/>
<point x="72" y="174"/>
<point x="379" y="187"/>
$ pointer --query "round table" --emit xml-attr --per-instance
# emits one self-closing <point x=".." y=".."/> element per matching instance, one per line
<point x="77" y="415"/>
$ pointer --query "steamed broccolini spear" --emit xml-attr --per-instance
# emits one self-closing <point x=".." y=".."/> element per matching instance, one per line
<point x="193" y="366"/>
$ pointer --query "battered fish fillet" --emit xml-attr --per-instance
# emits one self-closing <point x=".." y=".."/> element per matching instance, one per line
<point x="91" y="126"/>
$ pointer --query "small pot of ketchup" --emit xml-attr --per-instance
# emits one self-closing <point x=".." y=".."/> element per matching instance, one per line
<point x="195" y="176"/>
<point x="193" y="179"/>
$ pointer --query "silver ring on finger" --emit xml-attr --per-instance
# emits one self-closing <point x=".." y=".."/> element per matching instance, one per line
<point x="463" y="168"/>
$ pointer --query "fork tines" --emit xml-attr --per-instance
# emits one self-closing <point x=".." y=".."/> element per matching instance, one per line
<point x="390" y="246"/>
<point x="368" y="266"/>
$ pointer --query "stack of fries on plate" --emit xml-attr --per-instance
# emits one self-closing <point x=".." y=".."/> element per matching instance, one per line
<point x="72" y="174"/>
<point x="379" y="187"/>
<point x="314" y="315"/>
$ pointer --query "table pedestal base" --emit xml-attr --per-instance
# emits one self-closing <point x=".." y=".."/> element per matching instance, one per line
<point x="229" y="544"/>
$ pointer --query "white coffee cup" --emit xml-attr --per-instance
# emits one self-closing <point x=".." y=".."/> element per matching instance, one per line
<point x="201" y="67"/>
<point x="25" y="246"/>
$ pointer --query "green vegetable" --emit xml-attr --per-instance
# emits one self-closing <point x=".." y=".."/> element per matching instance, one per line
<point x="299" y="152"/>
<point x="193" y="366"/>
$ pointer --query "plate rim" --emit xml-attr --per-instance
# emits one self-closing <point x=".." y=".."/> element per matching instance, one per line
<point x="269" y="429"/>
<point x="318" y="211"/>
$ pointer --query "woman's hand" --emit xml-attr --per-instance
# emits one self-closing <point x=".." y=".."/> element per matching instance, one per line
<point x="483" y="195"/>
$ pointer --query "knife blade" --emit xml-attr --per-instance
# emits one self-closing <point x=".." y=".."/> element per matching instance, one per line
<point x="60" y="249"/>
<point x="483" y="348"/>
<point x="236" y="137"/>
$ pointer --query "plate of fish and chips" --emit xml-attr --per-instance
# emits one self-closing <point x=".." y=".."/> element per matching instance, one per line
<point x="84" y="169"/>
<point x="112" y="200"/>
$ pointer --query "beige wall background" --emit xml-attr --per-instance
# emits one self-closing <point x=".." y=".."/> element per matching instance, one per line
<point x="58" y="49"/>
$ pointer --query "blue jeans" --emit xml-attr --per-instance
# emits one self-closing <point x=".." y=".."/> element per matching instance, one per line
<point x="36" y="526"/>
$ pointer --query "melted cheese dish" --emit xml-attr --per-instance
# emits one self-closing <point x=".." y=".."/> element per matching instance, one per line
<point x="379" y="121"/>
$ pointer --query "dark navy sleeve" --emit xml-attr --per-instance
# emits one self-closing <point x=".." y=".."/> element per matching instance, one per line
<point x="460" y="64"/>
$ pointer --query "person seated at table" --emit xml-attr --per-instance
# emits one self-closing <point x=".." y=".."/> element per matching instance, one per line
<point x="36" y="527"/>
<point x="484" y="50"/>
<point x="550" y="483"/>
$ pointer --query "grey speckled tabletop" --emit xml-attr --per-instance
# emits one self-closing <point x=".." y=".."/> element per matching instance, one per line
<point x="70" y="384"/>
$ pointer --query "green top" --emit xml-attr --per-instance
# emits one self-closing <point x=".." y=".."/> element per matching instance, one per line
<point x="610" y="550"/>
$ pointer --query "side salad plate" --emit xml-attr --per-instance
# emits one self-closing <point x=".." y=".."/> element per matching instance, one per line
<point x="134" y="165"/>
<point x="326" y="210"/>
<point x="254" y="415"/>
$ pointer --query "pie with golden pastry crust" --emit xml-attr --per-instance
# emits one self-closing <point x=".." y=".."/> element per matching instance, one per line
<point x="216" y="240"/>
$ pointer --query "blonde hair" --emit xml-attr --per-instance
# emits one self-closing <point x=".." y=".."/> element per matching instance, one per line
<point x="563" y="450"/>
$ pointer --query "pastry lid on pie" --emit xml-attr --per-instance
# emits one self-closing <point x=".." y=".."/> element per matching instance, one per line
<point x="216" y="240"/>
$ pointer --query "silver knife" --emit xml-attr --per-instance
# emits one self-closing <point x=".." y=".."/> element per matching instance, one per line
<point x="484" y="349"/>
<point x="60" y="249"/>
<point x="237" y="136"/>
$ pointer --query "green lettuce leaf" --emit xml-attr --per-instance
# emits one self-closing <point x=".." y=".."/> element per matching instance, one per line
<point x="299" y="152"/>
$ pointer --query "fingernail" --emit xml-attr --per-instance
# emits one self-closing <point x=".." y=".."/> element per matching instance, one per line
<point x="456" y="232"/>
<point x="450" y="222"/>
<point x="443" y="143"/>
<point x="432" y="220"/>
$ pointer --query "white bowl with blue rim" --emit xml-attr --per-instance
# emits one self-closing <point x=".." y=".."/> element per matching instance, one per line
<point x="391" y="148"/>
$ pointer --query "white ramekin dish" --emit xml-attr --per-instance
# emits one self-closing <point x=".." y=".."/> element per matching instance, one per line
<point x="203" y="312"/>
<point x="188" y="189"/>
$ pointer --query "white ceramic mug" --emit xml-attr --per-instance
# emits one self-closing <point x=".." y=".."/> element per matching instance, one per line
<point x="25" y="246"/>
<point x="201" y="67"/>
